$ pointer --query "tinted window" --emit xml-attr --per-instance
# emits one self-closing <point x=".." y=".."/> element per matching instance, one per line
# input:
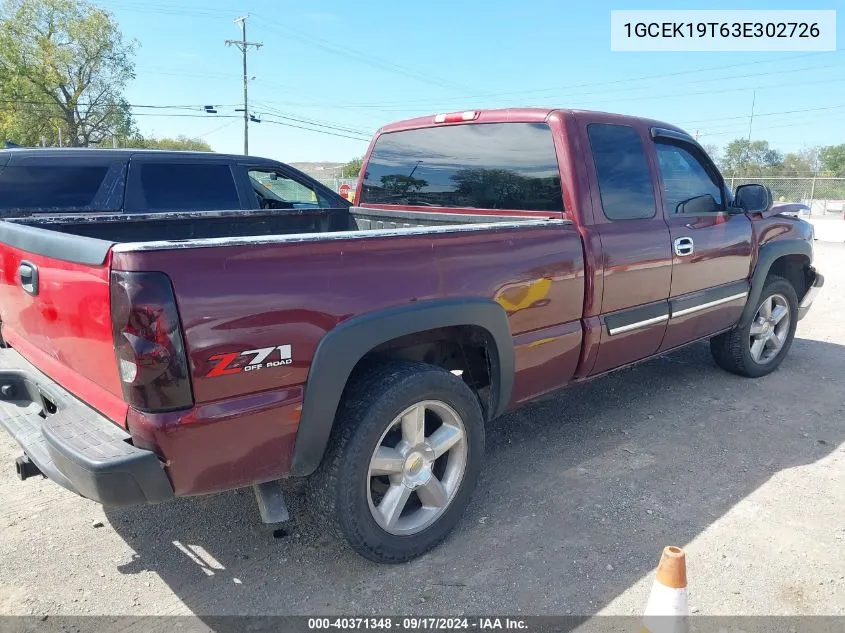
<point x="189" y="187"/>
<point x="46" y="187"/>
<point x="684" y="178"/>
<point x="622" y="169"/>
<point x="485" y="166"/>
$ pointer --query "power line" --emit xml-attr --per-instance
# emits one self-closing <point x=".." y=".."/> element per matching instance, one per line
<point x="605" y="83"/>
<point x="268" y="110"/>
<point x="354" y="138"/>
<point x="217" y="129"/>
<point x="730" y="118"/>
<point x="190" y="116"/>
<point x="130" y="105"/>
<point x="345" y="51"/>
<point x="44" y="106"/>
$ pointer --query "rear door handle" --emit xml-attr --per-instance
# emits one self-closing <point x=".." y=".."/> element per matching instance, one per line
<point x="684" y="246"/>
<point x="28" y="273"/>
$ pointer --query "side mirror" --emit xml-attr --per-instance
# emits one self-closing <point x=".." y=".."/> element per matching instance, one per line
<point x="753" y="198"/>
<point x="698" y="205"/>
<point x="274" y="175"/>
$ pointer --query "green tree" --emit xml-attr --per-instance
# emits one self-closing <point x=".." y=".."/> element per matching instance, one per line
<point x="64" y="65"/>
<point x="402" y="185"/>
<point x="749" y="158"/>
<point x="352" y="168"/>
<point x="803" y="163"/>
<point x="178" y="143"/>
<point x="832" y="159"/>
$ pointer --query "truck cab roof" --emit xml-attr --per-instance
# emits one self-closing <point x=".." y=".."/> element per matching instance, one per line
<point x="524" y="115"/>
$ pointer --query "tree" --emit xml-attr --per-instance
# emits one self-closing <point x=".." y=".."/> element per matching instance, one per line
<point x="64" y="66"/>
<point x="178" y="143"/>
<point x="713" y="151"/>
<point x="832" y="159"/>
<point x="402" y="185"/>
<point x="803" y="163"/>
<point x="749" y="158"/>
<point x="352" y="168"/>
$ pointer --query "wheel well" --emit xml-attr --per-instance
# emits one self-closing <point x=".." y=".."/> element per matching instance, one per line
<point x="795" y="269"/>
<point x="467" y="351"/>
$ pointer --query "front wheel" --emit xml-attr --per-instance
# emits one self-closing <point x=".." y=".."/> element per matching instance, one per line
<point x="403" y="461"/>
<point x="759" y="347"/>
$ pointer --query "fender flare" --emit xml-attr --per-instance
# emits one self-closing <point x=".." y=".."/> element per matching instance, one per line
<point x="769" y="253"/>
<point x="342" y="347"/>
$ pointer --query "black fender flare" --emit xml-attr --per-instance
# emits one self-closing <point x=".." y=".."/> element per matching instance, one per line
<point x="769" y="253"/>
<point x="342" y="347"/>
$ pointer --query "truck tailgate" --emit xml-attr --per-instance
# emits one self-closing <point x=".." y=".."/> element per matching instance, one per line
<point x="56" y="314"/>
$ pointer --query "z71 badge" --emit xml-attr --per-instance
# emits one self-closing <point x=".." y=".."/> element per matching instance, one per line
<point x="250" y="360"/>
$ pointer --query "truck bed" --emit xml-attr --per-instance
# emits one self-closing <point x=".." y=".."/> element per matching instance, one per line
<point x="276" y="280"/>
<point x="121" y="228"/>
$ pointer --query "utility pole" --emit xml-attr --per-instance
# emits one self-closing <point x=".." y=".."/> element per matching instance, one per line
<point x="243" y="45"/>
<point x="750" y="124"/>
<point x="696" y="135"/>
<point x="751" y="118"/>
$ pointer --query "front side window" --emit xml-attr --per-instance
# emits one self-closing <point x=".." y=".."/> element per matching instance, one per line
<point x="625" y="185"/>
<point x="687" y="187"/>
<point x="188" y="187"/>
<point x="509" y="166"/>
<point x="276" y="191"/>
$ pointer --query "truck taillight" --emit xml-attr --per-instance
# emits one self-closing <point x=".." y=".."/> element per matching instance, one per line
<point x="148" y="342"/>
<point x="457" y="117"/>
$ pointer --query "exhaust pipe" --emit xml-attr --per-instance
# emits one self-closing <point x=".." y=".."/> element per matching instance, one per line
<point x="25" y="468"/>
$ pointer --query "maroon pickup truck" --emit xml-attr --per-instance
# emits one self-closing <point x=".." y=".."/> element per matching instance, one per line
<point x="493" y="257"/>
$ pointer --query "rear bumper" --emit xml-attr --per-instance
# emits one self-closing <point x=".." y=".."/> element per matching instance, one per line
<point x="810" y="295"/>
<point x="71" y="443"/>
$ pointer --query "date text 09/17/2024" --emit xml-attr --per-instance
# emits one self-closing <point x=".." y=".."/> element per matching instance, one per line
<point x="418" y="624"/>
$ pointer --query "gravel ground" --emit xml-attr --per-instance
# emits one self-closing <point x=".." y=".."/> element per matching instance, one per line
<point x="578" y="496"/>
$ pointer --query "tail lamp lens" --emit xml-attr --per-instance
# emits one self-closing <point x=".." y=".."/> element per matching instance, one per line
<point x="148" y="342"/>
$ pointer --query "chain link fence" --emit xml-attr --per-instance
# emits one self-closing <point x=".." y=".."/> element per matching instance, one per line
<point x="824" y="196"/>
<point x="335" y="183"/>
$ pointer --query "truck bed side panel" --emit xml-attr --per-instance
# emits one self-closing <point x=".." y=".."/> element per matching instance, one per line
<point x="244" y="298"/>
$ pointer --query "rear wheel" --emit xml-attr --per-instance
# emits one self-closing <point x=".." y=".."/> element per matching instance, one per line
<point x="759" y="347"/>
<point x="404" y="459"/>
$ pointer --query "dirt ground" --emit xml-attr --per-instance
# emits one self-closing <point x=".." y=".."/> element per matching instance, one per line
<point x="578" y="496"/>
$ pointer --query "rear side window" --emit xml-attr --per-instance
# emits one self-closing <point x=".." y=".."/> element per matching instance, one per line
<point x="481" y="166"/>
<point x="46" y="187"/>
<point x="625" y="183"/>
<point x="188" y="187"/>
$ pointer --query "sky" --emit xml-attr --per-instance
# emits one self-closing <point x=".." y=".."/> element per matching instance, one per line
<point x="344" y="69"/>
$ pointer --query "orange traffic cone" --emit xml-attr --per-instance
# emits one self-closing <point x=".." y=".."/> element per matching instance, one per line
<point x="667" y="611"/>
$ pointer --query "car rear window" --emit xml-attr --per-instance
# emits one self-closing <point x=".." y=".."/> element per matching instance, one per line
<point x="46" y="187"/>
<point x="480" y="166"/>
<point x="188" y="187"/>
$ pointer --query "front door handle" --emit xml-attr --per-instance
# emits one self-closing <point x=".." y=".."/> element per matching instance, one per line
<point x="684" y="246"/>
<point x="28" y="274"/>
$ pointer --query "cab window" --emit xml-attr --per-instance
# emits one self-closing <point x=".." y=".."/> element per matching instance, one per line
<point x="277" y="191"/>
<point x="687" y="185"/>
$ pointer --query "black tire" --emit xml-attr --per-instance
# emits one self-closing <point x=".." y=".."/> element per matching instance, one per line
<point x="731" y="350"/>
<point x="340" y="487"/>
